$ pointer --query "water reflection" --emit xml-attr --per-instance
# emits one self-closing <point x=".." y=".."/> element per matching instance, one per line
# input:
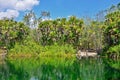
<point x="33" y="78"/>
<point x="57" y="69"/>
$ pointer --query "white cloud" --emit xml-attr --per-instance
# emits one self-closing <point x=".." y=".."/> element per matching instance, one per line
<point x="10" y="7"/>
<point x="5" y="4"/>
<point x="26" y="4"/>
<point x="9" y="14"/>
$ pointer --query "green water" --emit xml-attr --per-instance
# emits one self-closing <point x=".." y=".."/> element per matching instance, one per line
<point x="56" y="68"/>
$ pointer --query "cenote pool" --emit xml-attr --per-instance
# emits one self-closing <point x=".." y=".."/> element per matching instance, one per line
<point x="57" y="68"/>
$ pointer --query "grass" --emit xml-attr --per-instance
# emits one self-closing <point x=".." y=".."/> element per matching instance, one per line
<point x="32" y="49"/>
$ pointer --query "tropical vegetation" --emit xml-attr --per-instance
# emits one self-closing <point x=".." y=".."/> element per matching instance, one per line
<point x="62" y="35"/>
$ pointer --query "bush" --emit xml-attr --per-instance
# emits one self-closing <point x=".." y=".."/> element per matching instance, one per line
<point x="33" y="48"/>
<point x="114" y="51"/>
<point x="26" y="48"/>
<point x="58" y="49"/>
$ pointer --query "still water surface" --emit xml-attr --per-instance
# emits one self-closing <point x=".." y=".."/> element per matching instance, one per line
<point x="56" y="68"/>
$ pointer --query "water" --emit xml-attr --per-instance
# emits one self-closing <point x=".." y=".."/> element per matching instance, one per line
<point x="57" y="68"/>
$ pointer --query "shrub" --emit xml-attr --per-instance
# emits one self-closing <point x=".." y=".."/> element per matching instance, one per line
<point x="114" y="51"/>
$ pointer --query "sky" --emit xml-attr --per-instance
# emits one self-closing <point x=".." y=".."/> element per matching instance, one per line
<point x="57" y="8"/>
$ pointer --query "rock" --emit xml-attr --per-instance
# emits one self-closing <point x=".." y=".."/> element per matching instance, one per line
<point x="81" y="54"/>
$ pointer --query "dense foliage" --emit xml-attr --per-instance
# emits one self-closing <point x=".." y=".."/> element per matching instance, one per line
<point x="86" y="34"/>
<point x="112" y="28"/>
<point x="30" y="47"/>
<point x="11" y="32"/>
<point x="60" y="31"/>
<point x="112" y="32"/>
<point x="70" y="31"/>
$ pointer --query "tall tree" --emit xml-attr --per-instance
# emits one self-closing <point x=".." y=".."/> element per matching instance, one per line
<point x="30" y="20"/>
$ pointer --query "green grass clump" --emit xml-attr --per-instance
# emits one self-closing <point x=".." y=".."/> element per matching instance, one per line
<point x="30" y="47"/>
<point x="58" y="49"/>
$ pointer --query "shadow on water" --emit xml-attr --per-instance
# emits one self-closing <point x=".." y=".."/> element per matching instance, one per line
<point x="57" y="69"/>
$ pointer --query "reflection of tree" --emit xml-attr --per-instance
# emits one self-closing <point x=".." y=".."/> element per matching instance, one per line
<point x="17" y="73"/>
<point x="64" y="69"/>
<point x="59" y="69"/>
<point x="3" y="70"/>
